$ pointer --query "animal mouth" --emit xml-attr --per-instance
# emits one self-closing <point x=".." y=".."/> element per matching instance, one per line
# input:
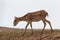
<point x="14" y="25"/>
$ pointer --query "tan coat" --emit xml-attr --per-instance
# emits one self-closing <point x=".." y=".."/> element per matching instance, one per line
<point x="33" y="17"/>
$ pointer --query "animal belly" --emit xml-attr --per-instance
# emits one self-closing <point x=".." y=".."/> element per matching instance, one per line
<point x="35" y="19"/>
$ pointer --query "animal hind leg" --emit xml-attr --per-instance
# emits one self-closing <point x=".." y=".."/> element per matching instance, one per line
<point x="50" y="25"/>
<point x="44" y="26"/>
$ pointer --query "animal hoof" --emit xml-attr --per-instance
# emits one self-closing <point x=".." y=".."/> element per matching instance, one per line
<point x="40" y="33"/>
<point x="51" y="31"/>
<point x="31" y="34"/>
<point x="22" y="35"/>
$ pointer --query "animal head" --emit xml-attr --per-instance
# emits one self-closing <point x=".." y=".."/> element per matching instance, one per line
<point x="16" y="20"/>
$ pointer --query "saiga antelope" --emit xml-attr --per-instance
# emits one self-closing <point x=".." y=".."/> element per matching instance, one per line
<point x="33" y="17"/>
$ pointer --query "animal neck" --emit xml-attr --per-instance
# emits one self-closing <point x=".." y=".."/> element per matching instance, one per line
<point x="22" y="18"/>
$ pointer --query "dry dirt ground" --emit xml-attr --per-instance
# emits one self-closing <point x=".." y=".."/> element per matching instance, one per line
<point x="15" y="34"/>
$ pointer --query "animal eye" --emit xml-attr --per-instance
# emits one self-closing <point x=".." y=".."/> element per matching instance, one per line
<point x="15" y="20"/>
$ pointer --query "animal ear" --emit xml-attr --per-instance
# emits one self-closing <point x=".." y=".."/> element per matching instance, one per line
<point x="15" y="17"/>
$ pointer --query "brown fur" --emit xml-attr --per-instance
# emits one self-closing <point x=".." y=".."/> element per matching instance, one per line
<point x="33" y="17"/>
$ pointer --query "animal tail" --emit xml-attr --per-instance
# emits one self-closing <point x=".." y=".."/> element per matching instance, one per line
<point x="47" y="14"/>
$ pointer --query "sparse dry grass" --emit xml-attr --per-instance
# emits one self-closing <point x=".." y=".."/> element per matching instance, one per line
<point x="15" y="34"/>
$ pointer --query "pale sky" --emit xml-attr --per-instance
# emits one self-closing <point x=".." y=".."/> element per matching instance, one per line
<point x="18" y="8"/>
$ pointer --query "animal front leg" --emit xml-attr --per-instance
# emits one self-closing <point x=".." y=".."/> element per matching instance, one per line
<point x="31" y="27"/>
<point x="44" y="27"/>
<point x="25" y="28"/>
